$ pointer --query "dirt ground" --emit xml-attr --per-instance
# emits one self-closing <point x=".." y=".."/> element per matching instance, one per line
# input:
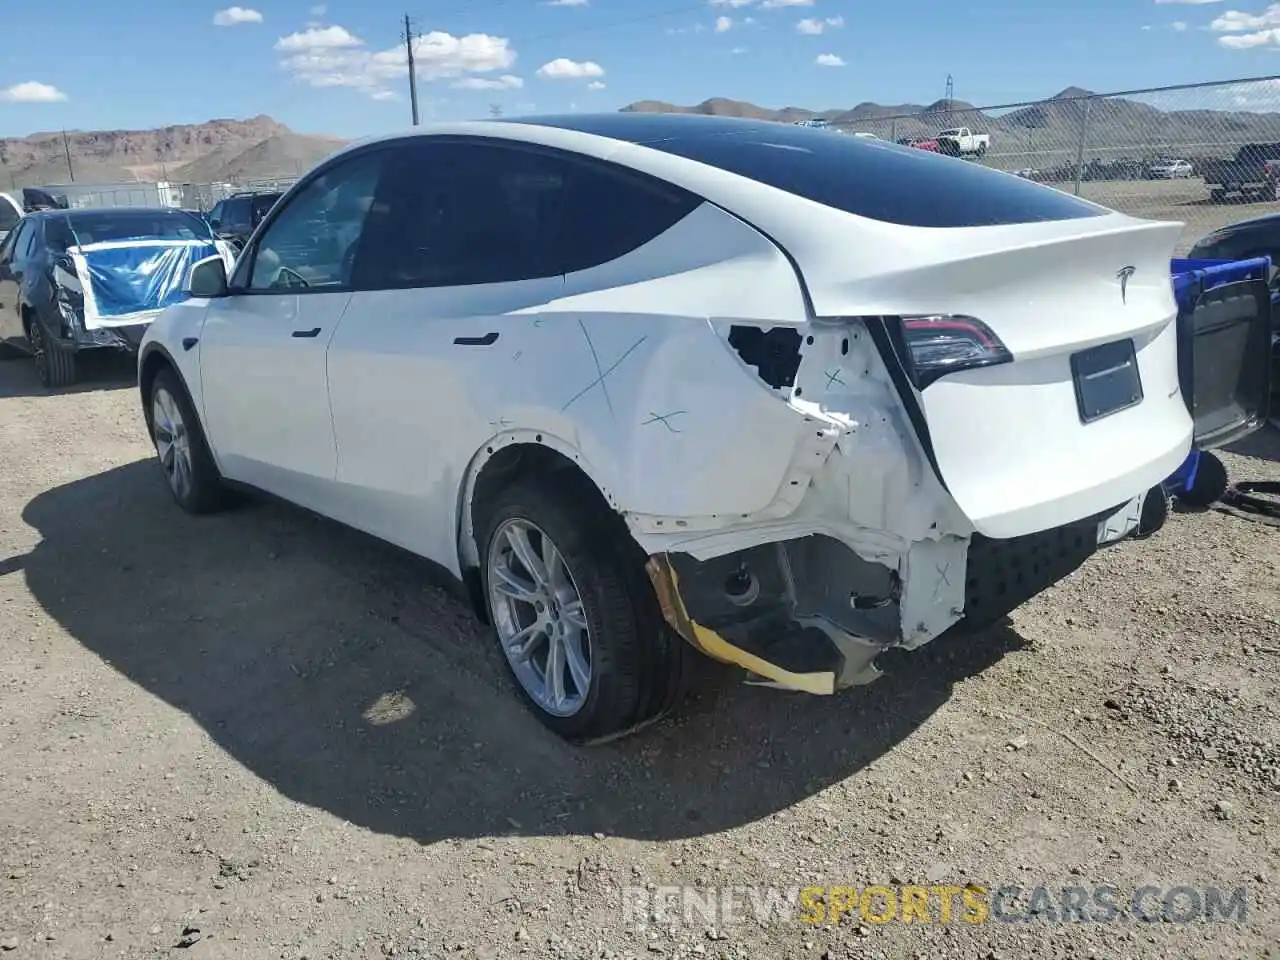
<point x="261" y="735"/>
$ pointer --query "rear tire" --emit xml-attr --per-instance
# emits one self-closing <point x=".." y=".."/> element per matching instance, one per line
<point x="189" y="470"/>
<point x="637" y="665"/>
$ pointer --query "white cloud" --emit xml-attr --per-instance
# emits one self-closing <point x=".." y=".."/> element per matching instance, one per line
<point x="563" y="68"/>
<point x="776" y="4"/>
<point x="813" y="26"/>
<point x="595" y="85"/>
<point x="31" y="92"/>
<point x="1196" y="2"/>
<point x="566" y="3"/>
<point x="733" y="4"/>
<point x="1236" y="21"/>
<point x="504" y="82"/>
<point x="723" y="24"/>
<point x="318" y="38"/>
<point x="828" y="60"/>
<point x="319" y="10"/>
<point x="1179" y="25"/>
<point x="1146" y="26"/>
<point x="738" y="50"/>
<point x="384" y="95"/>
<point x="335" y="57"/>
<point x="233" y="15"/>
<point x="1247" y="41"/>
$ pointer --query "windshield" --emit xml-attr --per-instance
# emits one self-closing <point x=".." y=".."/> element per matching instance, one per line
<point x="103" y="226"/>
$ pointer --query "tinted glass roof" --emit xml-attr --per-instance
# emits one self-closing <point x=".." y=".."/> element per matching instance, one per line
<point x="870" y="178"/>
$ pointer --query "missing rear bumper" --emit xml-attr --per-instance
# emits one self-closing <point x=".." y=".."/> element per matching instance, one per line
<point x="810" y="614"/>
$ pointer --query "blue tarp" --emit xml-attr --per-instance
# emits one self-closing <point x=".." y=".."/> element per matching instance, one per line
<point x="131" y="277"/>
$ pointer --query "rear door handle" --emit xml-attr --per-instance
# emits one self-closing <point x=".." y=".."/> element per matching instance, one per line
<point x="487" y="340"/>
<point x="313" y="332"/>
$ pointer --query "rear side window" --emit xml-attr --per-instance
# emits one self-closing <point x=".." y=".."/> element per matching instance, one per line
<point x="458" y="213"/>
<point x="869" y="178"/>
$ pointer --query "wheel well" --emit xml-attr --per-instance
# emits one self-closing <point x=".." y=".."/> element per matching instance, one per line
<point x="151" y="367"/>
<point x="514" y="464"/>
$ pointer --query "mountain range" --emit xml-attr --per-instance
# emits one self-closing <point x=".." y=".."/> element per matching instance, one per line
<point x="1043" y="133"/>
<point x="258" y="148"/>
<point x="189" y="153"/>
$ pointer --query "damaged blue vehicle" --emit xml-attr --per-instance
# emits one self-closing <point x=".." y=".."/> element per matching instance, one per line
<point x="93" y="279"/>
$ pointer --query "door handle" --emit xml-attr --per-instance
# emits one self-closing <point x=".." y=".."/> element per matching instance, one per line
<point x="487" y="340"/>
<point x="313" y="332"/>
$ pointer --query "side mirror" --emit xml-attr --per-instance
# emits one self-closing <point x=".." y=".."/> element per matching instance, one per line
<point x="208" y="278"/>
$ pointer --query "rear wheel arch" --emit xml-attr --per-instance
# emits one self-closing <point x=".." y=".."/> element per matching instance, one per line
<point x="505" y="461"/>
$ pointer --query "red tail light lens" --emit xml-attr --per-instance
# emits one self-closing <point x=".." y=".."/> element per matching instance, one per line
<point x="938" y="345"/>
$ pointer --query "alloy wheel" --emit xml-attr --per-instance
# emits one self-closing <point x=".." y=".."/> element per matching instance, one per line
<point x="539" y="617"/>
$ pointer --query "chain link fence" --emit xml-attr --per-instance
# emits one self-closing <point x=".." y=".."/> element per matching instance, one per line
<point x="1206" y="154"/>
<point x="187" y="196"/>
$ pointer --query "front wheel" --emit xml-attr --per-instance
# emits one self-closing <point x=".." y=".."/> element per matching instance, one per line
<point x="184" y="456"/>
<point x="55" y="365"/>
<point x="575" y="615"/>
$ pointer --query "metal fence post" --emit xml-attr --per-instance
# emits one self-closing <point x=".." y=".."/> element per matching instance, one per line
<point x="1084" y="133"/>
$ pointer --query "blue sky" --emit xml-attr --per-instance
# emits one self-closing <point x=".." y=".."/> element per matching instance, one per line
<point x="336" y="68"/>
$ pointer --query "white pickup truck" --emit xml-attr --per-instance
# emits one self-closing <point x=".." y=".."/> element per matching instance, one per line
<point x="962" y="141"/>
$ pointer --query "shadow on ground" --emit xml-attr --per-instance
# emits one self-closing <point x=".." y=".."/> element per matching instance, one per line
<point x="96" y="370"/>
<point x="328" y="665"/>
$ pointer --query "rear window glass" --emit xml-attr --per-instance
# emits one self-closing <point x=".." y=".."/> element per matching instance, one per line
<point x="101" y="227"/>
<point x="869" y="178"/>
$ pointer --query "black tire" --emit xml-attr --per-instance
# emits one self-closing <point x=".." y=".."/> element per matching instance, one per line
<point x="1210" y="484"/>
<point x="55" y="364"/>
<point x="205" y="493"/>
<point x="639" y="666"/>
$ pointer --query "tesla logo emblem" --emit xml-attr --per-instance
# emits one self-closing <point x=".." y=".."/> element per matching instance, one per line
<point x="1123" y="275"/>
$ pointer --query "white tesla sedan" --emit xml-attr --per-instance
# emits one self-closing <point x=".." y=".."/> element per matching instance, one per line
<point x="793" y="396"/>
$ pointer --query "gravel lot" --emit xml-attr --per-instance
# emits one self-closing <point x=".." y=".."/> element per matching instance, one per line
<point x="265" y="736"/>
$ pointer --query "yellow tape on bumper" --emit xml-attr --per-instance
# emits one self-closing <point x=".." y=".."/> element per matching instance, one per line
<point x="667" y="586"/>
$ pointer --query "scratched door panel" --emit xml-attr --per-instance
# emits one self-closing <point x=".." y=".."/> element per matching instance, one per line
<point x="419" y="380"/>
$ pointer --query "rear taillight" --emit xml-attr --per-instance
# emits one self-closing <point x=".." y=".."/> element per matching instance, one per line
<point x="938" y="345"/>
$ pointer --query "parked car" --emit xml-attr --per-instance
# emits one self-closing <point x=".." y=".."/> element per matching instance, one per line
<point x="1258" y="237"/>
<point x="75" y="280"/>
<point x="1251" y="175"/>
<point x="964" y="142"/>
<point x="635" y="377"/>
<point x="1169" y="169"/>
<point x="10" y="213"/>
<point x="921" y="143"/>
<point x="235" y="218"/>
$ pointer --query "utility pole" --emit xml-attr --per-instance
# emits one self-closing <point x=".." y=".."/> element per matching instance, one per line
<point x="66" y="147"/>
<point x="413" y="76"/>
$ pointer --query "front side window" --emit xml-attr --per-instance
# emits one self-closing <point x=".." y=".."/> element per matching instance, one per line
<point x="311" y="242"/>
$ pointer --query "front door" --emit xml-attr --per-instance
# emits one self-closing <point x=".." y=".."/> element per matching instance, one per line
<point x="11" y="282"/>
<point x="263" y="348"/>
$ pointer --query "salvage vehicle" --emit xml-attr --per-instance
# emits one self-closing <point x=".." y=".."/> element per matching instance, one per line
<point x="1253" y="174"/>
<point x="75" y="280"/>
<point x="793" y="396"/>
<point x="1170" y="168"/>
<point x="1256" y="237"/>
